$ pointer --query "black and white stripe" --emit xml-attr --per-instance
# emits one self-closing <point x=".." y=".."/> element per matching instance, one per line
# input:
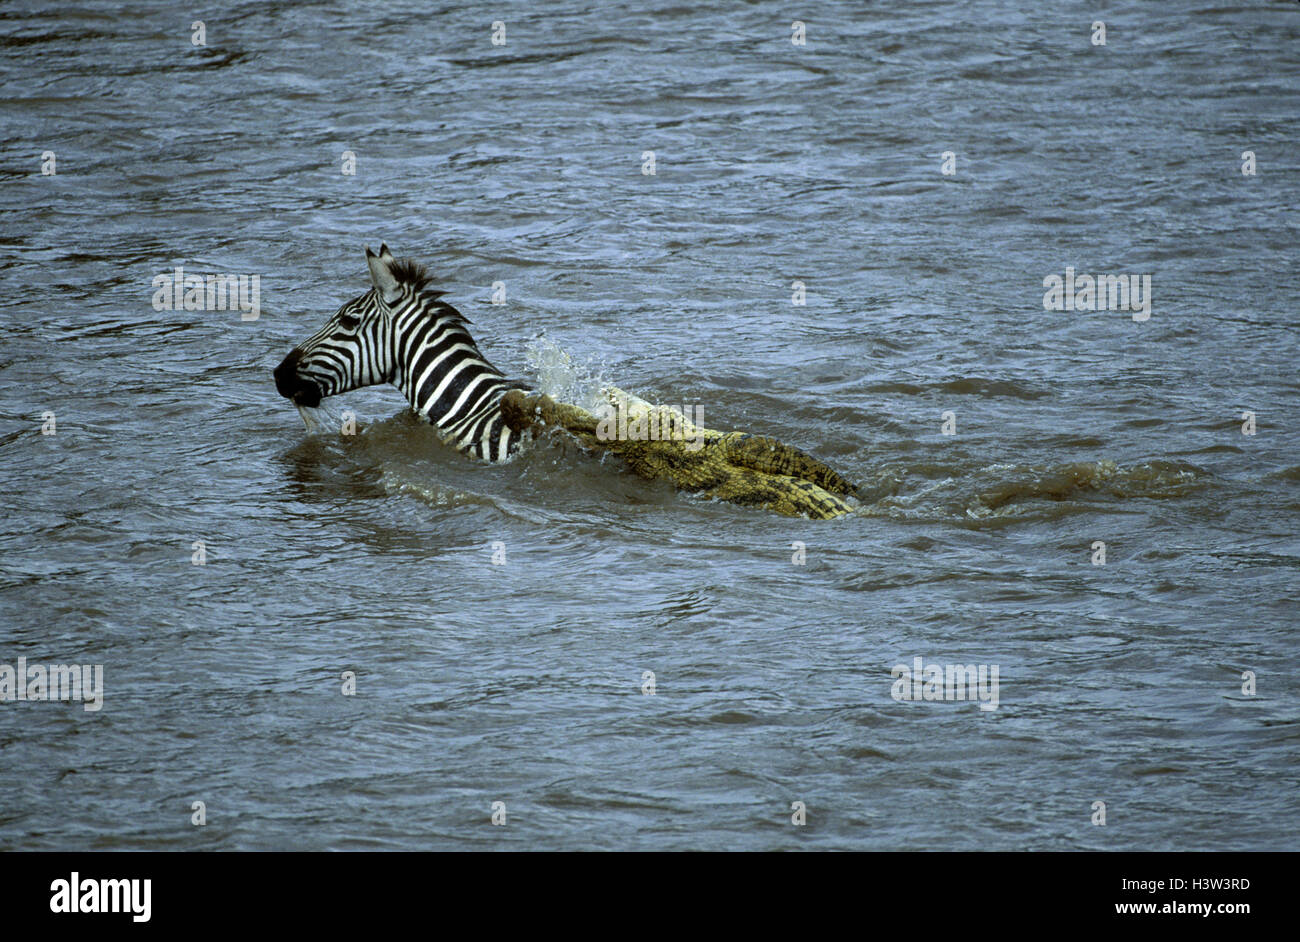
<point x="401" y="332"/>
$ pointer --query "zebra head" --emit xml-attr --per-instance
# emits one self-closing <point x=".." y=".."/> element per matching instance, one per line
<point x="401" y="332"/>
<point x="354" y="348"/>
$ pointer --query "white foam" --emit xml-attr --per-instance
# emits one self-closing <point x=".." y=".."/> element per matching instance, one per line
<point x="560" y="378"/>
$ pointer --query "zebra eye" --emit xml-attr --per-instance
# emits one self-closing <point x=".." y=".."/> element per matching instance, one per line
<point x="348" y="322"/>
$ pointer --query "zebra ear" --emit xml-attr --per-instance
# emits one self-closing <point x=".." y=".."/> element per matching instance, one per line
<point x="381" y="274"/>
<point x="384" y="253"/>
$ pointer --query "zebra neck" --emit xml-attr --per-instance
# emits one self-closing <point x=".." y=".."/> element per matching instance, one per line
<point x="445" y="377"/>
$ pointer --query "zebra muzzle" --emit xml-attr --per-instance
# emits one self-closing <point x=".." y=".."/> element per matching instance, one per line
<point x="299" y="391"/>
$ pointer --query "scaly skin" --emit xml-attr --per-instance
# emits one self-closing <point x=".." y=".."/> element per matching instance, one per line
<point x="733" y="466"/>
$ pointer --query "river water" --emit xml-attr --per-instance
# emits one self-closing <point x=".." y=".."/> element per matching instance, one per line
<point x="499" y="621"/>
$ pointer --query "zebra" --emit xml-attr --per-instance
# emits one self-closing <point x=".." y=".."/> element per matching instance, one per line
<point x="401" y="332"/>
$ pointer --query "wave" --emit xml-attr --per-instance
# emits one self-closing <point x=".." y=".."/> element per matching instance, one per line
<point x="1011" y="491"/>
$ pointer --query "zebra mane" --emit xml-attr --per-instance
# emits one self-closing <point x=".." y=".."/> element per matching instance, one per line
<point x="408" y="271"/>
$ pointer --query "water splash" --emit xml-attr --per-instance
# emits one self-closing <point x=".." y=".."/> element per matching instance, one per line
<point x="562" y="379"/>
<point x="322" y="419"/>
